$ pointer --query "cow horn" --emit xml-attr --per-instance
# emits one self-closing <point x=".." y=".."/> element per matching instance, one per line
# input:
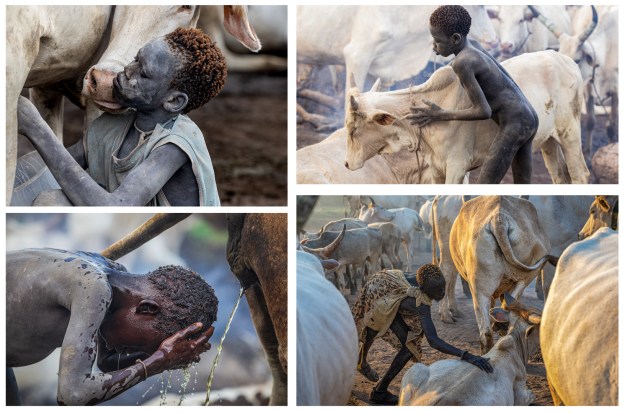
<point x="353" y="82"/>
<point x="587" y="32"/>
<point x="545" y="21"/>
<point x="534" y="318"/>
<point x="376" y="85"/>
<point x="372" y="201"/>
<point x="144" y="233"/>
<point x="354" y="105"/>
<point x="324" y="252"/>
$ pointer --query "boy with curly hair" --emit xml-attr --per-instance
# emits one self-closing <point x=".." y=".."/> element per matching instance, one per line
<point x="397" y="307"/>
<point x="493" y="94"/>
<point x="152" y="154"/>
<point x="133" y="326"/>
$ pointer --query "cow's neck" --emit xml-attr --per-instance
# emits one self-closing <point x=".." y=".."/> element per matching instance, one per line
<point x="407" y="168"/>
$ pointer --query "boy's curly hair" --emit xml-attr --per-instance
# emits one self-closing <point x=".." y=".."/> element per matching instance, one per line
<point x="428" y="272"/>
<point x="451" y="20"/>
<point x="203" y="72"/>
<point x="189" y="299"/>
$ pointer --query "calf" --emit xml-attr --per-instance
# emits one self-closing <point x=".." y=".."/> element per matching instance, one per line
<point x="458" y="383"/>
<point x="604" y="212"/>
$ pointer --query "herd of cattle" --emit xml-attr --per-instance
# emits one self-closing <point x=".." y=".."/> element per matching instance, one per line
<point x="565" y="59"/>
<point x="499" y="244"/>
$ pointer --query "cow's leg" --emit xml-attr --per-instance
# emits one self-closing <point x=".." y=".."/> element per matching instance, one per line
<point x="554" y="394"/>
<point x="456" y="169"/>
<point x="49" y="103"/>
<point x="590" y="121"/>
<point x="481" y="304"/>
<point x="554" y="162"/>
<point x="612" y="129"/>
<point x="571" y="144"/>
<point x="266" y="333"/>
<point x="22" y="50"/>
<point x="448" y="306"/>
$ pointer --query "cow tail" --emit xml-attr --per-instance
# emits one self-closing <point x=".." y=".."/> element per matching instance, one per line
<point x="499" y="229"/>
<point x="432" y="218"/>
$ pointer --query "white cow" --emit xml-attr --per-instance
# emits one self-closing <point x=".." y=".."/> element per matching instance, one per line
<point x="454" y="382"/>
<point x="50" y="48"/>
<point x="520" y="32"/>
<point x="376" y="121"/>
<point x="579" y="332"/>
<point x="404" y="218"/>
<point x="594" y="45"/>
<point x="326" y="338"/>
<point x="323" y="163"/>
<point x="498" y="245"/>
<point x="603" y="212"/>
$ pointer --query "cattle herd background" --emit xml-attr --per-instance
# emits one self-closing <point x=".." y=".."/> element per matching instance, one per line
<point x="356" y="207"/>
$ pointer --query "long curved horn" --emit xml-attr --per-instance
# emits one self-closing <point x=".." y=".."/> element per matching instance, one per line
<point x="324" y="252"/>
<point x="545" y="21"/>
<point x="144" y="233"/>
<point x="372" y="200"/>
<point x="590" y="28"/>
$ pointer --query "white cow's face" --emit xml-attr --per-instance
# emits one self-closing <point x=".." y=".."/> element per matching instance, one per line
<point x="514" y="28"/>
<point x="370" y="133"/>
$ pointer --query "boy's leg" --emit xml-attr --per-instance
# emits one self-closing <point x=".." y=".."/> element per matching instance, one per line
<point x="522" y="164"/>
<point x="499" y="158"/>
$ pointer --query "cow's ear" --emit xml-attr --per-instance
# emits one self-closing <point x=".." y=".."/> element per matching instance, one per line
<point x="603" y="203"/>
<point x="383" y="118"/>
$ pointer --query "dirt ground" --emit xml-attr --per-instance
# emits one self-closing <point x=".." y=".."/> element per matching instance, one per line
<point x="245" y="128"/>
<point x="308" y="135"/>
<point x="463" y="334"/>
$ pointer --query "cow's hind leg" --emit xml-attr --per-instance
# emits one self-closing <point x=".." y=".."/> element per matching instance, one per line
<point x="266" y="333"/>
<point x="554" y="161"/>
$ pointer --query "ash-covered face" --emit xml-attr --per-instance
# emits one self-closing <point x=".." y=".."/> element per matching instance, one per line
<point x="443" y="44"/>
<point x="435" y="288"/>
<point x="144" y="84"/>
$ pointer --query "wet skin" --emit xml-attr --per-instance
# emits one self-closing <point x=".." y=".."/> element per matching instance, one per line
<point x="435" y="289"/>
<point x="91" y="308"/>
<point x="493" y="94"/>
<point x="143" y="85"/>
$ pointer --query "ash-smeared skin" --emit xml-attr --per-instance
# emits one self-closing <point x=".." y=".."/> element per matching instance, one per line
<point x="59" y="298"/>
<point x="145" y="86"/>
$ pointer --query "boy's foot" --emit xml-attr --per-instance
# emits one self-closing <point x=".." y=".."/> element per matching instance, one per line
<point x="383" y="398"/>
<point x="368" y="372"/>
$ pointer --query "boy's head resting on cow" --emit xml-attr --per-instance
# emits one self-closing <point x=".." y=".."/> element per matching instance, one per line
<point x="450" y="20"/>
<point x="147" y="309"/>
<point x="175" y="73"/>
<point x="431" y="281"/>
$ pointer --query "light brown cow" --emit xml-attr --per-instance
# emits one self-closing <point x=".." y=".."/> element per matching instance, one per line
<point x="603" y="213"/>
<point x="498" y="245"/>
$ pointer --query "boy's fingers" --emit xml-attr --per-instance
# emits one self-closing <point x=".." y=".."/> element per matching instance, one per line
<point x="191" y="329"/>
<point x="205" y="336"/>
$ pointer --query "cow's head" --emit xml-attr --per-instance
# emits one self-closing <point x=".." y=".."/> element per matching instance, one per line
<point x="513" y="28"/>
<point x="371" y="131"/>
<point x="603" y="213"/>
<point x="519" y="320"/>
<point x="375" y="213"/>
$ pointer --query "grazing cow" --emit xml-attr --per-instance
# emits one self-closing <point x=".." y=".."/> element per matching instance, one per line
<point x="456" y="383"/>
<point x="322" y="163"/>
<point x="257" y="254"/>
<point x="349" y="223"/>
<point x="404" y="218"/>
<point x="579" y="331"/>
<point x="50" y="48"/>
<point x="603" y="212"/>
<point x="596" y="51"/>
<point x="327" y="343"/>
<point x="360" y="247"/>
<point x="498" y="245"/>
<point x="520" y="31"/>
<point x="376" y="122"/>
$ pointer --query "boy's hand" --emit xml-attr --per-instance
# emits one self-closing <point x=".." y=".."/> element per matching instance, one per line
<point x="28" y="117"/>
<point x="178" y="351"/>
<point x="422" y="116"/>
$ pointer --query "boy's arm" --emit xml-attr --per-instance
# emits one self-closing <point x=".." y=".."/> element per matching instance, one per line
<point x="78" y="153"/>
<point x="138" y="188"/>
<point x="479" y="110"/>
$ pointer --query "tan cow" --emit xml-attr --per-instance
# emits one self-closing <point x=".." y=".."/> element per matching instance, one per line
<point x="457" y="383"/>
<point x="579" y="331"/>
<point x="376" y="122"/>
<point x="603" y="213"/>
<point x="498" y="245"/>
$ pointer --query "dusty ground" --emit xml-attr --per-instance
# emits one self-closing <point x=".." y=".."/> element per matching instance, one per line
<point x="246" y="133"/>
<point x="308" y="135"/>
<point x="463" y="334"/>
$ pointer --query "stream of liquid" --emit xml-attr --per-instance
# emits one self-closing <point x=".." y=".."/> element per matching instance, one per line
<point x="220" y="348"/>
